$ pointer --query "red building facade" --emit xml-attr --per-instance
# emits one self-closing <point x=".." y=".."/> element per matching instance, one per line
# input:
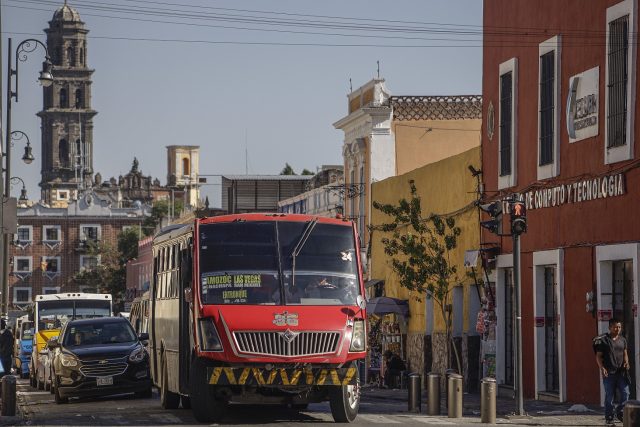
<point x="560" y="107"/>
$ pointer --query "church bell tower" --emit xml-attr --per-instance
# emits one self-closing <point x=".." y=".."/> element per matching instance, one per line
<point x="67" y="116"/>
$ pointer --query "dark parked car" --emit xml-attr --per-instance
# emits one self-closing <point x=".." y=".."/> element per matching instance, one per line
<point x="97" y="357"/>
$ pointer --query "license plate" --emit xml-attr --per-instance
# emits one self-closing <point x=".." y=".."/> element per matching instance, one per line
<point x="105" y="380"/>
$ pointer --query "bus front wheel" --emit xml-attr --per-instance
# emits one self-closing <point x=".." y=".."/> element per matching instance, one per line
<point x="345" y="402"/>
<point x="205" y="406"/>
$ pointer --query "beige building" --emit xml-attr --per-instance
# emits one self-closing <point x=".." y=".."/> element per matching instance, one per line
<point x="387" y="135"/>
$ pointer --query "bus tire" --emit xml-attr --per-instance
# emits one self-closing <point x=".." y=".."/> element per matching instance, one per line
<point x="186" y="402"/>
<point x="56" y="394"/>
<point x="345" y="402"/>
<point x="40" y="385"/>
<point x="204" y="405"/>
<point x="168" y="399"/>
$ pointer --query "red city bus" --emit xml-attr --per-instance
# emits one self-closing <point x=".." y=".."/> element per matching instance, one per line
<point x="258" y="308"/>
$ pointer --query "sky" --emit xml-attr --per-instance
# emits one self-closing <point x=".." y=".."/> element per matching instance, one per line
<point x="256" y="84"/>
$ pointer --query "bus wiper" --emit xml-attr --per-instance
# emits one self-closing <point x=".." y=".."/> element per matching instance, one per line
<point x="298" y="248"/>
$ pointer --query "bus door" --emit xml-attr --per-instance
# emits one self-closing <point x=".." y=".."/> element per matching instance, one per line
<point x="185" y="324"/>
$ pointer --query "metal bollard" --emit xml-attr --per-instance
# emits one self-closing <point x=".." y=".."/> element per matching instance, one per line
<point x="446" y="380"/>
<point x="454" y="399"/>
<point x="433" y="393"/>
<point x="488" y="400"/>
<point x="414" y="393"/>
<point x="631" y="414"/>
<point x="8" y="396"/>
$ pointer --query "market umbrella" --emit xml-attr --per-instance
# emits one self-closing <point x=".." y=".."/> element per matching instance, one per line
<point x="386" y="305"/>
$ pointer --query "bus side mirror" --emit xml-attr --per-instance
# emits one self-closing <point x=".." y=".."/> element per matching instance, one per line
<point x="361" y="302"/>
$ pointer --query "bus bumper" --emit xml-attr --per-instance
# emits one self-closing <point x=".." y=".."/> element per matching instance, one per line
<point x="282" y="376"/>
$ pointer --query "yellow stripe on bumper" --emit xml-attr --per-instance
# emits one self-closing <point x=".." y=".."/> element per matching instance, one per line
<point x="282" y="376"/>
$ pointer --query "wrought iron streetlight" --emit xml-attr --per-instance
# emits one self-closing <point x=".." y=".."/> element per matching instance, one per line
<point x="23" y="193"/>
<point x="22" y="52"/>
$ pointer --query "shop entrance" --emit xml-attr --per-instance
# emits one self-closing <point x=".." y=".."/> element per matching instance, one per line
<point x="551" y="316"/>
<point x="623" y="310"/>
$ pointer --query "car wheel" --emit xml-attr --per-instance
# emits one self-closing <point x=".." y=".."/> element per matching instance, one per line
<point x="56" y="393"/>
<point x="345" y="402"/>
<point x="168" y="399"/>
<point x="205" y="406"/>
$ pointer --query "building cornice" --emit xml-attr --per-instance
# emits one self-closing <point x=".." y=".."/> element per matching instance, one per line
<point x="460" y="107"/>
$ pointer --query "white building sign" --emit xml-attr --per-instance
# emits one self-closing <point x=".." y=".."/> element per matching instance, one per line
<point x="582" y="105"/>
<point x="576" y="192"/>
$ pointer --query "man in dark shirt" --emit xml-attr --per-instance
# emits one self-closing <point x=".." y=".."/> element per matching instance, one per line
<point x="613" y="362"/>
<point x="393" y="367"/>
<point x="6" y="348"/>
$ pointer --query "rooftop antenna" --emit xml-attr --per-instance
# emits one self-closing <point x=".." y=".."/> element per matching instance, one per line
<point x="378" y="62"/>
<point x="246" y="154"/>
<point x="350" y="86"/>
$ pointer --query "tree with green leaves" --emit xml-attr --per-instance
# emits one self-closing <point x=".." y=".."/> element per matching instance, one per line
<point x="160" y="210"/>
<point x="306" y="171"/>
<point x="110" y="275"/>
<point x="287" y="170"/>
<point x="419" y="249"/>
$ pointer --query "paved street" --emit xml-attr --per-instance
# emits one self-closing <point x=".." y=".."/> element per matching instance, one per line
<point x="379" y="407"/>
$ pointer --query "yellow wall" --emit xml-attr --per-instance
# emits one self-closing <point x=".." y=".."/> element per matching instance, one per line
<point x="445" y="186"/>
<point x="417" y="146"/>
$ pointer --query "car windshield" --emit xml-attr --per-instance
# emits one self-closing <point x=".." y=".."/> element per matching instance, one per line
<point x="99" y="334"/>
<point x="54" y="314"/>
<point x="240" y="263"/>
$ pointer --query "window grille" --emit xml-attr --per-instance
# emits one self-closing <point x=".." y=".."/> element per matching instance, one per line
<point x="617" y="84"/>
<point x="506" y="101"/>
<point x="547" y="78"/>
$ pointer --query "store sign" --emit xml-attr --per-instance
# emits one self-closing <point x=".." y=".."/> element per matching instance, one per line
<point x="577" y="192"/>
<point x="582" y="105"/>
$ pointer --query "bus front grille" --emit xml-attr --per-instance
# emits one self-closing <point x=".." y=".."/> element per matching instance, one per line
<point x="287" y="343"/>
<point x="103" y="367"/>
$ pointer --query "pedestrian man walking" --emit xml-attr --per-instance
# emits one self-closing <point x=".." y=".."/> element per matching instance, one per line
<point x="613" y="362"/>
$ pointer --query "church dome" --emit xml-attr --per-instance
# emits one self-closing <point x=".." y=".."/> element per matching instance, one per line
<point x="66" y="14"/>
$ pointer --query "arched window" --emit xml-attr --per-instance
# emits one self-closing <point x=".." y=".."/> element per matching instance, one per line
<point x="71" y="57"/>
<point x="185" y="167"/>
<point x="79" y="100"/>
<point x="58" y="59"/>
<point x="81" y="56"/>
<point x="63" y="153"/>
<point x="64" y="99"/>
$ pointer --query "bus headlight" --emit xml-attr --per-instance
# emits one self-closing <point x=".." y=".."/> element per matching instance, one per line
<point x="68" y="360"/>
<point x="209" y="338"/>
<point x="358" y="338"/>
<point x="137" y="355"/>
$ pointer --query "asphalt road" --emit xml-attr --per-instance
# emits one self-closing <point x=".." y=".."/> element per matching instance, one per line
<point x="39" y="409"/>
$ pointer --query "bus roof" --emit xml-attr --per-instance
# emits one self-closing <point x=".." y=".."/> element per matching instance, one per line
<point x="72" y="296"/>
<point x="273" y="217"/>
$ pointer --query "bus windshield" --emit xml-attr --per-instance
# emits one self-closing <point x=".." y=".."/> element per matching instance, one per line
<point x="278" y="263"/>
<point x="54" y="314"/>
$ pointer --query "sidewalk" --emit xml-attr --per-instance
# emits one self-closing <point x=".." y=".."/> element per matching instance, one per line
<point x="538" y="412"/>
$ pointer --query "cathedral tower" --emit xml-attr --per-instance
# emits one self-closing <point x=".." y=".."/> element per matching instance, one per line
<point x="67" y="117"/>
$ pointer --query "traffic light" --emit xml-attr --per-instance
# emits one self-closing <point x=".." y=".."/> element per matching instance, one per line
<point x="518" y="218"/>
<point x="494" y="209"/>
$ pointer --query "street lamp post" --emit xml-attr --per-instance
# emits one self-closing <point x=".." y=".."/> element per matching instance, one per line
<point x="23" y="50"/>
<point x="23" y="193"/>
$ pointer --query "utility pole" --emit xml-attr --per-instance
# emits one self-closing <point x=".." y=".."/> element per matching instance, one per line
<point x="518" y="226"/>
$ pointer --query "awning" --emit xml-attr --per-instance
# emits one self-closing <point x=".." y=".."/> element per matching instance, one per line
<point x="387" y="305"/>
